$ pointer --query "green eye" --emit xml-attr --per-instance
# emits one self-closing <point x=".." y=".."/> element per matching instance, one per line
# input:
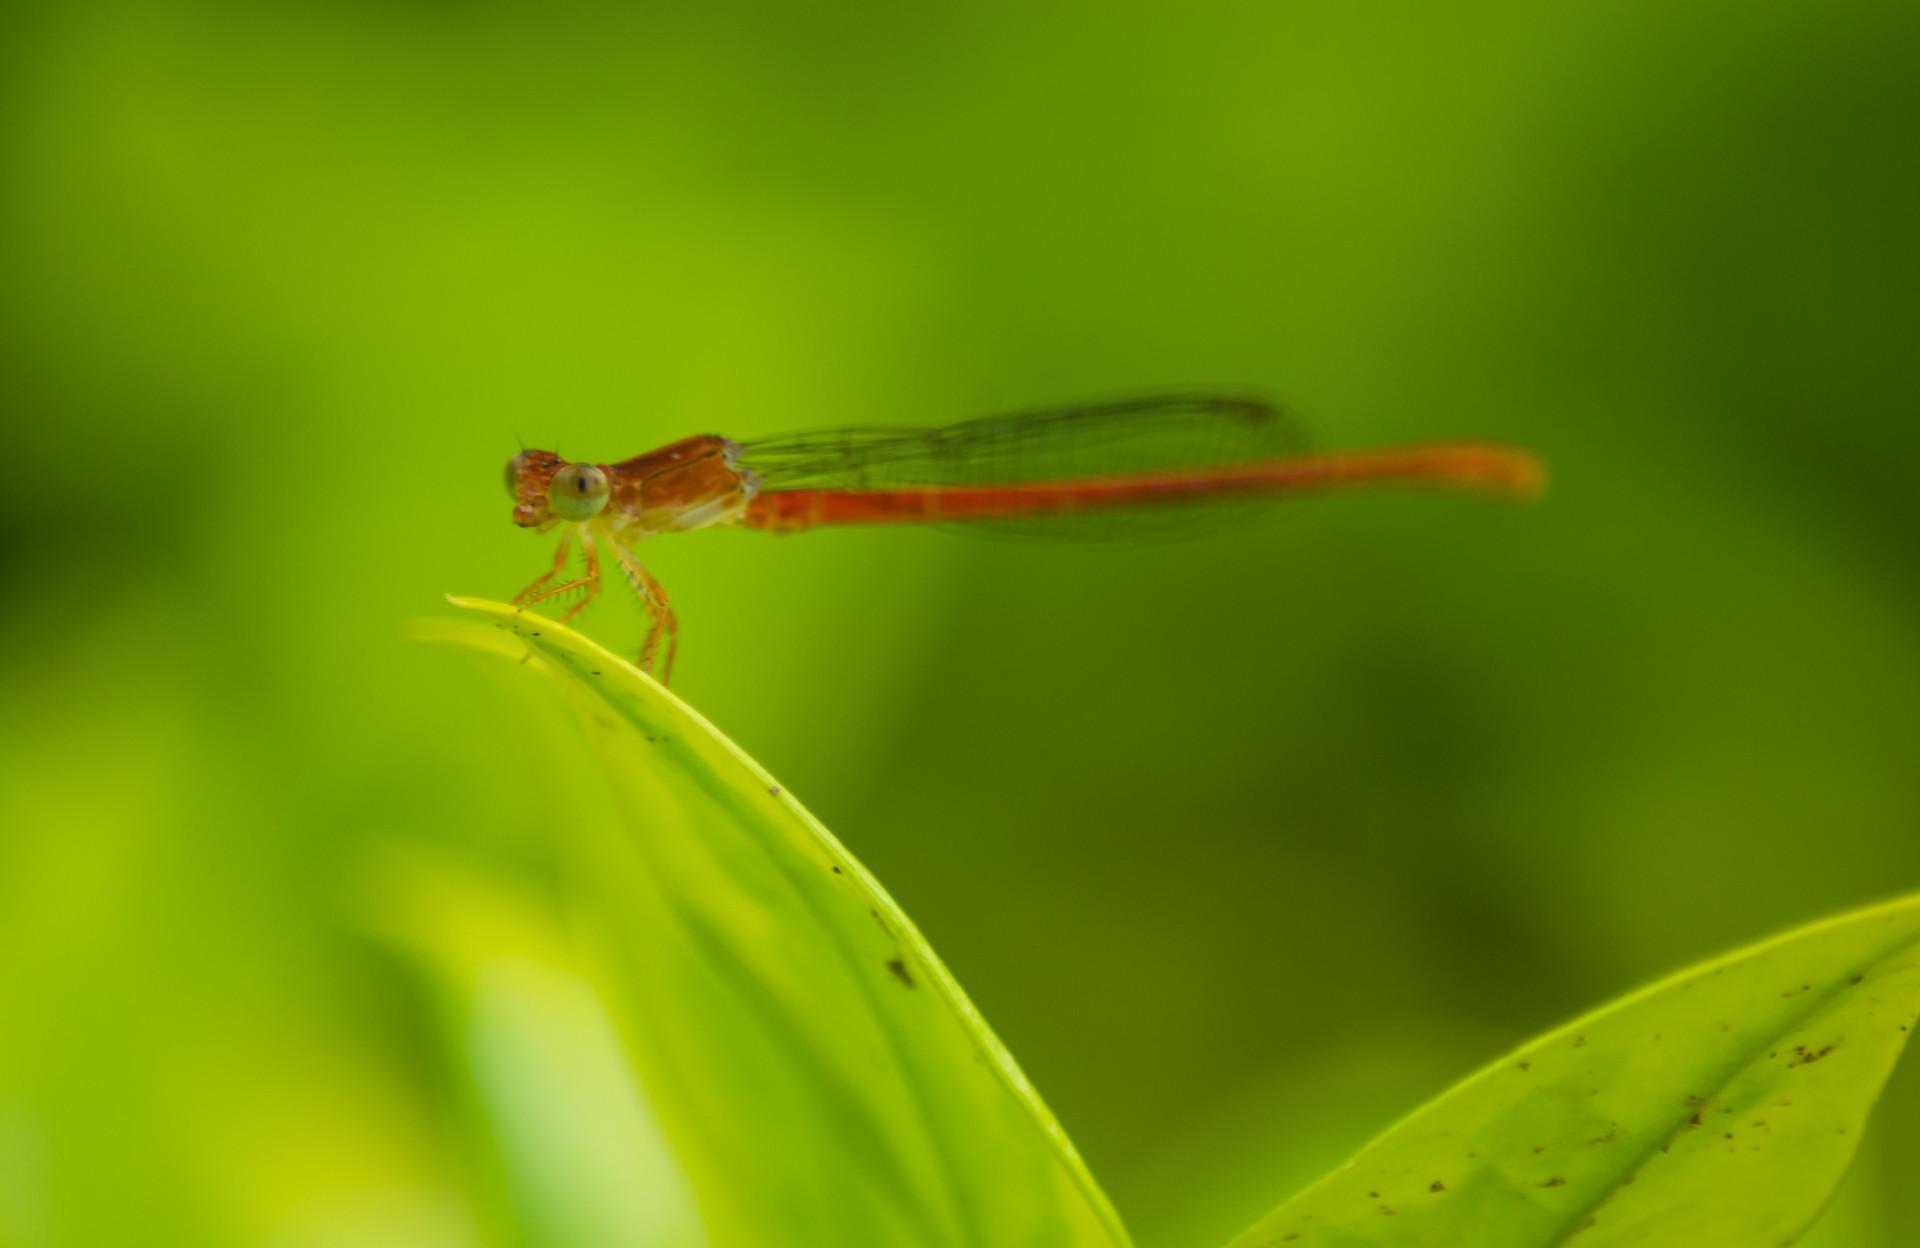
<point x="578" y="492"/>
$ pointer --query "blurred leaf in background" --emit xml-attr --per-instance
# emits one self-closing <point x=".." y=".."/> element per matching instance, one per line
<point x="283" y="284"/>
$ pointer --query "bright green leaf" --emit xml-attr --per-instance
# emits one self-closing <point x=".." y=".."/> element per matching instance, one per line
<point x="819" y="1074"/>
<point x="1720" y="1106"/>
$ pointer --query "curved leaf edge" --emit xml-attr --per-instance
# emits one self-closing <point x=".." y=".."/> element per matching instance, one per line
<point x="513" y="629"/>
<point x="1574" y="1027"/>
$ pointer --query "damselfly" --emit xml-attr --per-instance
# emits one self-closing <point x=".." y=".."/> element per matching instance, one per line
<point x="1088" y="470"/>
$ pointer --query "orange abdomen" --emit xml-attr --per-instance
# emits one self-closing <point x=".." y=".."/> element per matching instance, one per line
<point x="1485" y="467"/>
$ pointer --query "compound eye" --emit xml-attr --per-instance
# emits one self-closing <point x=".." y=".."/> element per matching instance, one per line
<point x="578" y="492"/>
<point x="513" y="474"/>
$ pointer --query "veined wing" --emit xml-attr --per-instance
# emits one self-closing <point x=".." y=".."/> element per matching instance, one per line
<point x="1170" y="432"/>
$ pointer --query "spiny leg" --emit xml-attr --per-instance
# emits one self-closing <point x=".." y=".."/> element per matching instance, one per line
<point x="664" y="621"/>
<point x="659" y="611"/>
<point x="589" y="582"/>
<point x="592" y="578"/>
<point x="559" y="565"/>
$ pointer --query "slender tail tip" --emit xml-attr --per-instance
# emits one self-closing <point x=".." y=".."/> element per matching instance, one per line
<point x="1510" y="472"/>
<point x="1526" y="475"/>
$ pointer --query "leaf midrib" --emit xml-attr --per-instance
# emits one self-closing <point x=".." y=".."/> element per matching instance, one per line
<point x="1817" y="1005"/>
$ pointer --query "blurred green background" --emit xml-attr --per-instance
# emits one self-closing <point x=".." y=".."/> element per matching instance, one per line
<point x="1245" y="845"/>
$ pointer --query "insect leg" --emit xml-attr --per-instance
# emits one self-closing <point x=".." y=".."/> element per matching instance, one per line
<point x="592" y="580"/>
<point x="589" y="582"/>
<point x="559" y="565"/>
<point x="659" y="611"/>
<point x="666" y="621"/>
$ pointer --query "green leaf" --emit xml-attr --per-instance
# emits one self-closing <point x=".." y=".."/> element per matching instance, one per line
<point x="820" y="1076"/>
<point x="1720" y="1106"/>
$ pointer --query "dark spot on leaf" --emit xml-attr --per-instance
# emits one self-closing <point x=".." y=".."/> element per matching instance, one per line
<point x="1386" y="1210"/>
<point x="900" y="971"/>
<point x="1556" y="1181"/>
<point x="1436" y="1186"/>
<point x="1373" y="1195"/>
<point x="1729" y="1135"/>
<point x="1579" y="1042"/>
<point x="1539" y="1148"/>
<point x="836" y="870"/>
<point x="1804" y="1056"/>
<point x="1856" y="979"/>
<point x="774" y="790"/>
<point x="1526" y="1065"/>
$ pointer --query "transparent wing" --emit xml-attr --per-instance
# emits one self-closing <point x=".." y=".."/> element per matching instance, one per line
<point x="1123" y="437"/>
<point x="1069" y="443"/>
